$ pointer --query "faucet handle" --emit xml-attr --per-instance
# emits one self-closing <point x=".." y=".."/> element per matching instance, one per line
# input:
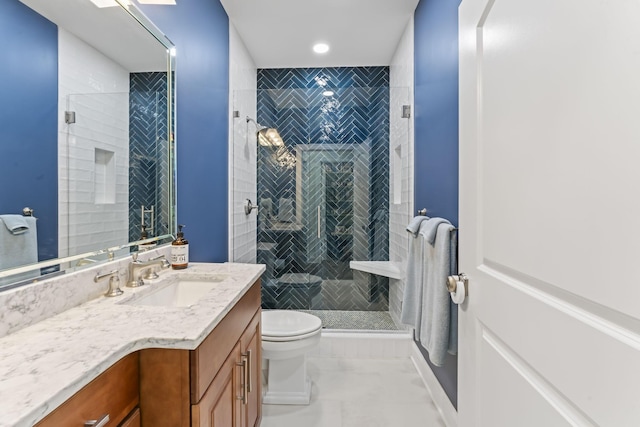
<point x="114" y="283"/>
<point x="165" y="262"/>
<point x="151" y="272"/>
<point x="134" y="256"/>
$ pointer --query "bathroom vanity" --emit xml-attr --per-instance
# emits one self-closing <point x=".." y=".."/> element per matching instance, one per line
<point x="143" y="362"/>
<point x="217" y="384"/>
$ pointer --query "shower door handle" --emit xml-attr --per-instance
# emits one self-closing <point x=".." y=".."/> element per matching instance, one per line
<point x="319" y="221"/>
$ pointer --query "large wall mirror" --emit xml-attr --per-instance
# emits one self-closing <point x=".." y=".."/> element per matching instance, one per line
<point x="87" y="120"/>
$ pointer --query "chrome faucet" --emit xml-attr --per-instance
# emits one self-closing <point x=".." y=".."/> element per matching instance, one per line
<point x="114" y="282"/>
<point x="136" y="268"/>
<point x="152" y="271"/>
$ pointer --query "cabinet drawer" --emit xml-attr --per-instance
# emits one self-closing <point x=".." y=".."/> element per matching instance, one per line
<point x="209" y="357"/>
<point x="114" y="392"/>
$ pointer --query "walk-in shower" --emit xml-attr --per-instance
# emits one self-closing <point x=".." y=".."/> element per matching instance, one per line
<point x="328" y="203"/>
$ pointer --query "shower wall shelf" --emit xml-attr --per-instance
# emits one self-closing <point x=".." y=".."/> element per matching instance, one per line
<point x="388" y="269"/>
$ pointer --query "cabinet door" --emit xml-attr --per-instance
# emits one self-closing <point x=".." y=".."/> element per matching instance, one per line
<point x="252" y="351"/>
<point x="133" y="420"/>
<point x="220" y="405"/>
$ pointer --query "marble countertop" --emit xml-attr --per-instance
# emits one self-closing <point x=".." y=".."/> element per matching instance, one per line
<point x="43" y="365"/>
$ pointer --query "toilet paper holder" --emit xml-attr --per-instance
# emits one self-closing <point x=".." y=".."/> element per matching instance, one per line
<point x="452" y="283"/>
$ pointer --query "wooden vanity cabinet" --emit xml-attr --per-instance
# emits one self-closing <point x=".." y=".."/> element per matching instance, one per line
<point x="251" y="344"/>
<point x="113" y="393"/>
<point x="216" y="385"/>
<point x="234" y="396"/>
<point x="220" y="406"/>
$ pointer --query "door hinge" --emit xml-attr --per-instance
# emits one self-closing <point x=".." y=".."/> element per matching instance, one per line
<point x="69" y="117"/>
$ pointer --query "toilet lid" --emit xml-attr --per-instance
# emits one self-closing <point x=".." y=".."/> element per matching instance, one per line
<point x="288" y="323"/>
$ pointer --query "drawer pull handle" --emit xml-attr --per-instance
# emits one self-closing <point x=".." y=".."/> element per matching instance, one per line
<point x="244" y="397"/>
<point x="246" y="382"/>
<point x="249" y="373"/>
<point x="98" y="423"/>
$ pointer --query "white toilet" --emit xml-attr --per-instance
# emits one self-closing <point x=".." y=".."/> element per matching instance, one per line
<point x="287" y="337"/>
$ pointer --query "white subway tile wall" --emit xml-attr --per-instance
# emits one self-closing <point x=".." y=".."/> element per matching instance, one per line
<point x="242" y="150"/>
<point x="102" y="123"/>
<point x="402" y="140"/>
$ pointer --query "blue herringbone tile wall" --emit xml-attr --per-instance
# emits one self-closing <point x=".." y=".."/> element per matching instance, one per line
<point x="338" y="188"/>
<point x="148" y="145"/>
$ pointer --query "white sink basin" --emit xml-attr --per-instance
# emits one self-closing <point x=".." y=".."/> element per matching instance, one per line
<point x="184" y="293"/>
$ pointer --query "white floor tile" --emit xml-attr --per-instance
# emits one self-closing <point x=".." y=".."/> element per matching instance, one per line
<point x="383" y="414"/>
<point x="317" y="414"/>
<point x="349" y="392"/>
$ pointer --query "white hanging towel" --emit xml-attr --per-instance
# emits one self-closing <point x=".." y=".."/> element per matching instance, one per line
<point x="18" y="245"/>
<point x="438" y="324"/>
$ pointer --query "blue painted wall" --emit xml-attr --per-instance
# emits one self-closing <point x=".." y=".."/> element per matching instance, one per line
<point x="29" y="142"/>
<point x="436" y="127"/>
<point x="200" y="31"/>
<point x="436" y="109"/>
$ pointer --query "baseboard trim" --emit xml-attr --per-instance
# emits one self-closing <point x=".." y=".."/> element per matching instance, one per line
<point x="439" y="397"/>
<point x="363" y="344"/>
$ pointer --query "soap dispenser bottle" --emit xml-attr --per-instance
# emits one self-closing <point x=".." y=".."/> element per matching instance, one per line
<point x="179" y="251"/>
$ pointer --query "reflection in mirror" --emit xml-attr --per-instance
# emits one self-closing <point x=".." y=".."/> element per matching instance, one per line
<point x="88" y="117"/>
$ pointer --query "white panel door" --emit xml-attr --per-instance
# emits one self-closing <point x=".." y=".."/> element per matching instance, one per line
<point x="550" y="213"/>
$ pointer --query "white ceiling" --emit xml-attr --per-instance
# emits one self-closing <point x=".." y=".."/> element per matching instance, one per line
<point x="111" y="30"/>
<point x="281" y="33"/>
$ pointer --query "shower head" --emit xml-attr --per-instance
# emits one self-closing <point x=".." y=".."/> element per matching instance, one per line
<point x="258" y="125"/>
<point x="267" y="137"/>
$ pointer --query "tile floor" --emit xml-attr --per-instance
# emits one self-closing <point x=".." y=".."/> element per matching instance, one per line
<point x="359" y="393"/>
<point x="358" y="320"/>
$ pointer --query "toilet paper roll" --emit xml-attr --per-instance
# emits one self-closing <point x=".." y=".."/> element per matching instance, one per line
<point x="459" y="294"/>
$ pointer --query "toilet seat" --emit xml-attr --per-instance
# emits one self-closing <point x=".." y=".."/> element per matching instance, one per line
<point x="288" y="325"/>
<point x="290" y="337"/>
<point x="287" y="337"/>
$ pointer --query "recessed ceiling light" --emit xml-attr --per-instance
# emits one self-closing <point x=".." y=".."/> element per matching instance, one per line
<point x="327" y="93"/>
<point x="172" y="2"/>
<point x="104" y="3"/>
<point x="321" y="48"/>
<point x="111" y="3"/>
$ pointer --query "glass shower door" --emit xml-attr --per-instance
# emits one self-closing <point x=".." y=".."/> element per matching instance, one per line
<point x="331" y="205"/>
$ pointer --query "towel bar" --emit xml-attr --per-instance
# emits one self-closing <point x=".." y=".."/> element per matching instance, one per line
<point x="27" y="211"/>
